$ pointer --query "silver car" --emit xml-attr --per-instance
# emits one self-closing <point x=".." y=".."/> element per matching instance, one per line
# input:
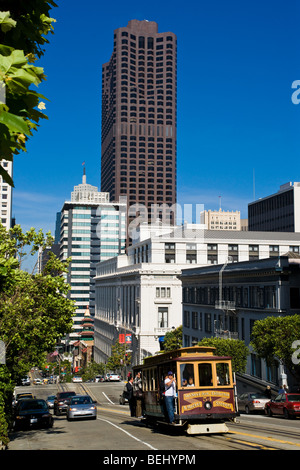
<point x="50" y="401"/>
<point x="81" y="406"/>
<point x="252" y="401"/>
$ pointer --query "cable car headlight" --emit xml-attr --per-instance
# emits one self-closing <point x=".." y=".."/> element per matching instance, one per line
<point x="208" y="405"/>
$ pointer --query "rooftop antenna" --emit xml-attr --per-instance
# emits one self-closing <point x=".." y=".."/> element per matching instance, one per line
<point x="253" y="184"/>
<point x="220" y="197"/>
<point x="84" y="175"/>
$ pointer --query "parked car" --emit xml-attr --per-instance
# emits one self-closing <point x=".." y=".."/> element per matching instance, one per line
<point x="123" y="400"/>
<point x="99" y="378"/>
<point x="37" y="381"/>
<point x="25" y="381"/>
<point x="32" y="412"/>
<point x="285" y="404"/>
<point x="50" y="401"/>
<point x="20" y="396"/>
<point x="77" y="379"/>
<point x="252" y="401"/>
<point x="61" y="402"/>
<point x="81" y="406"/>
<point x="113" y="378"/>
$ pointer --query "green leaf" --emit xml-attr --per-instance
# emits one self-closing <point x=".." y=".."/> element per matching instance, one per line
<point x="6" y="177"/>
<point x="14" y="123"/>
<point x="6" y="22"/>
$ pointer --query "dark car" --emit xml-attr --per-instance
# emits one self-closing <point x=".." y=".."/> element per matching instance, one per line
<point x="32" y="413"/>
<point x="62" y="401"/>
<point x="285" y="404"/>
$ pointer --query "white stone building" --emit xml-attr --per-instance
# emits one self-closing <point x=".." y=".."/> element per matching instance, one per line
<point x="140" y="293"/>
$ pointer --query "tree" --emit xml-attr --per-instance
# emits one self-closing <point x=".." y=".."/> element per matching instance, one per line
<point x="34" y="309"/>
<point x="173" y="339"/>
<point x="118" y="358"/>
<point x="229" y="347"/>
<point x="23" y="30"/>
<point x="273" y="338"/>
<point x="92" y="369"/>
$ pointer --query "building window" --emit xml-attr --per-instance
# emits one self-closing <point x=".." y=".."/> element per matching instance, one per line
<point x="186" y="319"/>
<point x="208" y="323"/>
<point x="191" y="253"/>
<point x="212" y="259"/>
<point x="195" y="321"/>
<point x="162" y="317"/>
<point x="233" y="253"/>
<point x="170" y="253"/>
<point x="163" y="292"/>
<point x="274" y="250"/>
<point x="255" y="366"/>
<point x="253" y="252"/>
<point x="212" y="254"/>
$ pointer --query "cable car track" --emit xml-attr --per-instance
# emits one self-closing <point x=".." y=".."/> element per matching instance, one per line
<point x="234" y="443"/>
<point x="263" y="427"/>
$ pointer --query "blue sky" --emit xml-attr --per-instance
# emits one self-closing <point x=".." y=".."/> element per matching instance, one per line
<point x="236" y="64"/>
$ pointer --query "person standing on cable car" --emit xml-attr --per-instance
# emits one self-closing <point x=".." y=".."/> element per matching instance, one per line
<point x="170" y="393"/>
<point x="138" y="394"/>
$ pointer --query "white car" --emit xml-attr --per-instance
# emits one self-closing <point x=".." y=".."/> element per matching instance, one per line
<point x="76" y="379"/>
<point x="114" y="378"/>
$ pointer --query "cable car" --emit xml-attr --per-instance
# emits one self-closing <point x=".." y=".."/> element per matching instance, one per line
<point x="205" y="390"/>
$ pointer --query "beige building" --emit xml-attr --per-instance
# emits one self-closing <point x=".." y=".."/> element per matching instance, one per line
<point x="221" y="220"/>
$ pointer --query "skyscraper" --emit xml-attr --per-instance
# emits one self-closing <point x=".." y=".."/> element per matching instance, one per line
<point x="92" y="229"/>
<point x="139" y="102"/>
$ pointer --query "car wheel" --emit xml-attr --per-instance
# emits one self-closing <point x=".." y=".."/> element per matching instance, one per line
<point x="270" y="412"/>
<point x="286" y="414"/>
<point x="247" y="411"/>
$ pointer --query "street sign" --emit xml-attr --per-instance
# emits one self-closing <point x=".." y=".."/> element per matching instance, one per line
<point x="128" y="338"/>
<point x="121" y="338"/>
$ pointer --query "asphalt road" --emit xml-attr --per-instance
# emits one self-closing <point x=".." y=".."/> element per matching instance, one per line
<point x="115" y="431"/>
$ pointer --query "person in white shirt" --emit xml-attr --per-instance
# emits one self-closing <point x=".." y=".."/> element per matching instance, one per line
<point x="170" y="392"/>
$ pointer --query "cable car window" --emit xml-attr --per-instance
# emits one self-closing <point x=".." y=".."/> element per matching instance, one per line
<point x="187" y="375"/>
<point x="144" y="381"/>
<point x="205" y="375"/>
<point x="223" y="377"/>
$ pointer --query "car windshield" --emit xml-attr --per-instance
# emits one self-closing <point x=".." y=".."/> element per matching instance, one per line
<point x="81" y="401"/>
<point x="33" y="405"/>
<point x="293" y="397"/>
<point x="52" y="397"/>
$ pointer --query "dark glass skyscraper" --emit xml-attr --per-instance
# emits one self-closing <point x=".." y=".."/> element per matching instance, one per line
<point x="139" y="103"/>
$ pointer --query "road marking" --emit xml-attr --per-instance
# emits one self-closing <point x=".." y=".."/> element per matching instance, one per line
<point x="265" y="438"/>
<point x="113" y="410"/>
<point x="252" y="444"/>
<point x="130" y="435"/>
<point x="108" y="398"/>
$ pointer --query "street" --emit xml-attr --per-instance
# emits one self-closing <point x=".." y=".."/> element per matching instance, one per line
<point x="115" y="431"/>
